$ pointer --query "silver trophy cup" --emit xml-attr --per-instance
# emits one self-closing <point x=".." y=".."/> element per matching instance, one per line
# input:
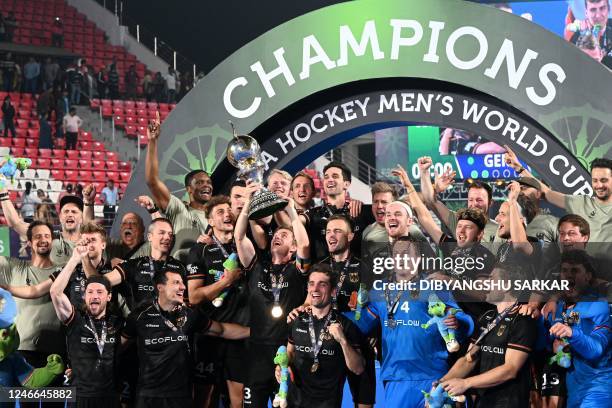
<point x="244" y="153"/>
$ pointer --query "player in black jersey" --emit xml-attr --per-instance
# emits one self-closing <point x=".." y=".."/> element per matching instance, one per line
<point x="162" y="328"/>
<point x="225" y="299"/>
<point x="347" y="275"/>
<point x="92" y="335"/>
<point x="336" y="181"/>
<point x="500" y="349"/>
<point x="323" y="347"/>
<point x="138" y="273"/>
<point x="275" y="288"/>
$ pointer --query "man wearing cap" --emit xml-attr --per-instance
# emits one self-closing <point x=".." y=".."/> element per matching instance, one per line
<point x="37" y="325"/>
<point x="542" y="226"/>
<point x="92" y="335"/>
<point x="480" y="195"/>
<point x="189" y="219"/>
<point x="73" y="210"/>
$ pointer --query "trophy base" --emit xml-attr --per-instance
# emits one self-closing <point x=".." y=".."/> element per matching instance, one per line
<point x="265" y="203"/>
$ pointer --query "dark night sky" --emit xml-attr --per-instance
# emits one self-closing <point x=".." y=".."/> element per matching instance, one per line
<point x="208" y="31"/>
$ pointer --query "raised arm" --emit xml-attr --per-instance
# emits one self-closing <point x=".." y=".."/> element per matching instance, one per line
<point x="518" y="233"/>
<point x="299" y="231"/>
<point x="89" y="200"/>
<point x="147" y="203"/>
<point x="161" y="194"/>
<point x="12" y="216"/>
<point x="429" y="191"/>
<point x="413" y="199"/>
<point x="352" y="357"/>
<point x="61" y="303"/>
<point x="244" y="246"/>
<point x="554" y="197"/>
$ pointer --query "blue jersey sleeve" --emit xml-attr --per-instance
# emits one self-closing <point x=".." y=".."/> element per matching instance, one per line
<point x="592" y="345"/>
<point x="368" y="321"/>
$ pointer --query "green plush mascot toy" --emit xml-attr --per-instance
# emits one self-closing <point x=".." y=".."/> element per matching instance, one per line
<point x="14" y="370"/>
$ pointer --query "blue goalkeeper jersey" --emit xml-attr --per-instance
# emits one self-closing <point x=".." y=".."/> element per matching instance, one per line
<point x="409" y="351"/>
<point x="590" y="347"/>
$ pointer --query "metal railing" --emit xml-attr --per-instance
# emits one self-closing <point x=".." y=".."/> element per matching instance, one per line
<point x="150" y="40"/>
<point x="365" y="172"/>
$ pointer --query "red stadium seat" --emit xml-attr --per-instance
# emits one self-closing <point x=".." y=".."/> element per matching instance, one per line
<point x="5" y="142"/>
<point x="99" y="175"/>
<point x="124" y="176"/>
<point x="113" y="175"/>
<point x="22" y="123"/>
<point x="59" y="153"/>
<point x="85" y="164"/>
<point x="112" y="165"/>
<point x="107" y="112"/>
<point x="130" y="130"/>
<point x="72" y="154"/>
<point x="99" y="185"/>
<point x="152" y="105"/>
<point x="86" y="176"/>
<point x="129" y="111"/>
<point x="31" y="152"/>
<point x="71" y="163"/>
<point x="141" y="130"/>
<point x="97" y="164"/>
<point x="58" y="174"/>
<point x="85" y="136"/>
<point x="44" y="152"/>
<point x="139" y="104"/>
<point x="43" y="163"/>
<point x="57" y="163"/>
<point x="118" y="111"/>
<point x="111" y="156"/>
<point x="99" y="155"/>
<point x="141" y="113"/>
<point x="125" y="166"/>
<point x="85" y="145"/>
<point x="119" y="121"/>
<point x="97" y="146"/>
<point x="106" y="102"/>
<point x="95" y="104"/>
<point x="143" y="140"/>
<point x="19" y="142"/>
<point x="71" y="175"/>
<point x="118" y="103"/>
<point x="129" y="104"/>
<point x="21" y="133"/>
<point x="18" y="151"/>
<point x="33" y="133"/>
<point x="32" y="143"/>
<point x="143" y="121"/>
<point x="163" y="107"/>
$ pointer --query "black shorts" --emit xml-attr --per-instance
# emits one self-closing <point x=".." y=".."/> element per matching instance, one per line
<point x="537" y="362"/>
<point x="152" y="402"/>
<point x="232" y="355"/>
<point x="206" y="363"/>
<point x="363" y="387"/>
<point x="260" y="385"/>
<point x="127" y="372"/>
<point x="552" y="381"/>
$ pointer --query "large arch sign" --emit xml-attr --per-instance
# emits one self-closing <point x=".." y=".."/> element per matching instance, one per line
<point x="438" y="58"/>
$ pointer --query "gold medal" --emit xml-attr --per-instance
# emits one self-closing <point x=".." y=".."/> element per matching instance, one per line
<point x="277" y="311"/>
<point x="315" y="367"/>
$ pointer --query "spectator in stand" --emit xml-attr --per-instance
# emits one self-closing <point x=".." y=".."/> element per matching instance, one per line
<point x="8" y="116"/>
<point x="102" y="80"/>
<point x="2" y="28"/>
<point x="8" y="72"/>
<point x="78" y="190"/>
<point x="43" y="105"/>
<point x="170" y="78"/>
<point x="67" y="191"/>
<point x="45" y="211"/>
<point x="45" y="140"/>
<point x="57" y="33"/>
<point x="111" y="198"/>
<point x="75" y="79"/>
<point x="159" y="85"/>
<point x="31" y="72"/>
<point x="10" y="23"/>
<point x="186" y="84"/>
<point x="17" y="78"/>
<point x="113" y="82"/>
<point x="71" y="126"/>
<point x="50" y="73"/>
<point x="147" y="86"/>
<point x="88" y="80"/>
<point x="131" y="82"/>
<point x="29" y="201"/>
<point x="62" y="107"/>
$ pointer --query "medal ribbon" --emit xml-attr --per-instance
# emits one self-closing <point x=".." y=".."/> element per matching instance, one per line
<point x="317" y="343"/>
<point x="343" y="274"/>
<point x="100" y="340"/>
<point x="164" y="318"/>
